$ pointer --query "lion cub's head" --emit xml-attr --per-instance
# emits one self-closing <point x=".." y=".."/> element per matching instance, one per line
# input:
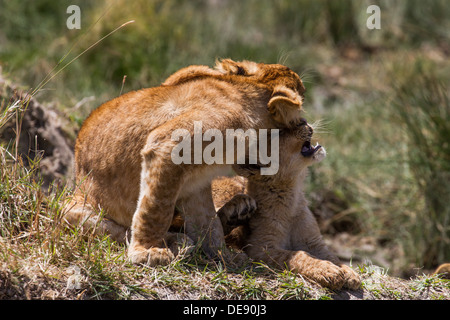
<point x="284" y="86"/>
<point x="296" y="153"/>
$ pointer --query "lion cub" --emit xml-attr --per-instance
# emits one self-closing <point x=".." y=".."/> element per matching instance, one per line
<point x="282" y="231"/>
<point x="123" y="153"/>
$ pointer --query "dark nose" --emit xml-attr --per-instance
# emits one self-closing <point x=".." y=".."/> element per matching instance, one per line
<point x="303" y="122"/>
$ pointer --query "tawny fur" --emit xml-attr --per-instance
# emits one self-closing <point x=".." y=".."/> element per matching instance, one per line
<point x="282" y="231"/>
<point x="123" y="160"/>
<point x="443" y="270"/>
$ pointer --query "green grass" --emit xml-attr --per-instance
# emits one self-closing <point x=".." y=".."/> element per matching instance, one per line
<point x="423" y="108"/>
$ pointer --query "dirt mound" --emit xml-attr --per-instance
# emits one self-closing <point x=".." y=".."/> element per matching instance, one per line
<point x="41" y="134"/>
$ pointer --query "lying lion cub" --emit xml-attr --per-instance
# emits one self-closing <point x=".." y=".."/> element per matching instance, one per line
<point x="123" y="153"/>
<point x="282" y="231"/>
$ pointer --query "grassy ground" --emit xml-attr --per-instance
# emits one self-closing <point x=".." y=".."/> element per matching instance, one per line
<point x="381" y="96"/>
<point x="42" y="259"/>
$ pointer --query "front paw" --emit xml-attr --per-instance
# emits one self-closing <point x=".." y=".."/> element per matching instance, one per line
<point x="237" y="211"/>
<point x="352" y="279"/>
<point x="328" y="275"/>
<point x="151" y="256"/>
<point x="233" y="258"/>
<point x="179" y="243"/>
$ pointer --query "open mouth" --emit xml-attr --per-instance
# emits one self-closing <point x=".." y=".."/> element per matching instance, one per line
<point x="308" y="150"/>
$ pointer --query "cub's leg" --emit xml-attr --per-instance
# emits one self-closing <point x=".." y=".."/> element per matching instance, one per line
<point x="201" y="221"/>
<point x="203" y="224"/>
<point x="306" y="236"/>
<point x="269" y="241"/>
<point x="81" y="214"/>
<point x="163" y="185"/>
<point x="161" y="181"/>
<point x="324" y="272"/>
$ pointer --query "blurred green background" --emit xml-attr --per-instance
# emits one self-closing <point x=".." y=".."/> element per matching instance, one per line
<point x="381" y="95"/>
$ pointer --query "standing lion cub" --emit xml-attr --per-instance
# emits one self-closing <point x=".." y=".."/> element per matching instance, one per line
<point x="123" y="162"/>
<point x="279" y="228"/>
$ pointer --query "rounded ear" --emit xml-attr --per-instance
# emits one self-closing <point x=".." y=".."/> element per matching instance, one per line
<point x="246" y="170"/>
<point x="241" y="68"/>
<point x="190" y="73"/>
<point x="285" y="105"/>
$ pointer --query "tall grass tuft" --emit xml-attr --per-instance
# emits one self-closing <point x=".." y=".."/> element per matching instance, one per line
<point x="23" y="202"/>
<point x="422" y="105"/>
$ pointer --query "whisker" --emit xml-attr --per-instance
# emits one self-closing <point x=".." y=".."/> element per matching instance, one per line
<point x="309" y="75"/>
<point x="321" y="126"/>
